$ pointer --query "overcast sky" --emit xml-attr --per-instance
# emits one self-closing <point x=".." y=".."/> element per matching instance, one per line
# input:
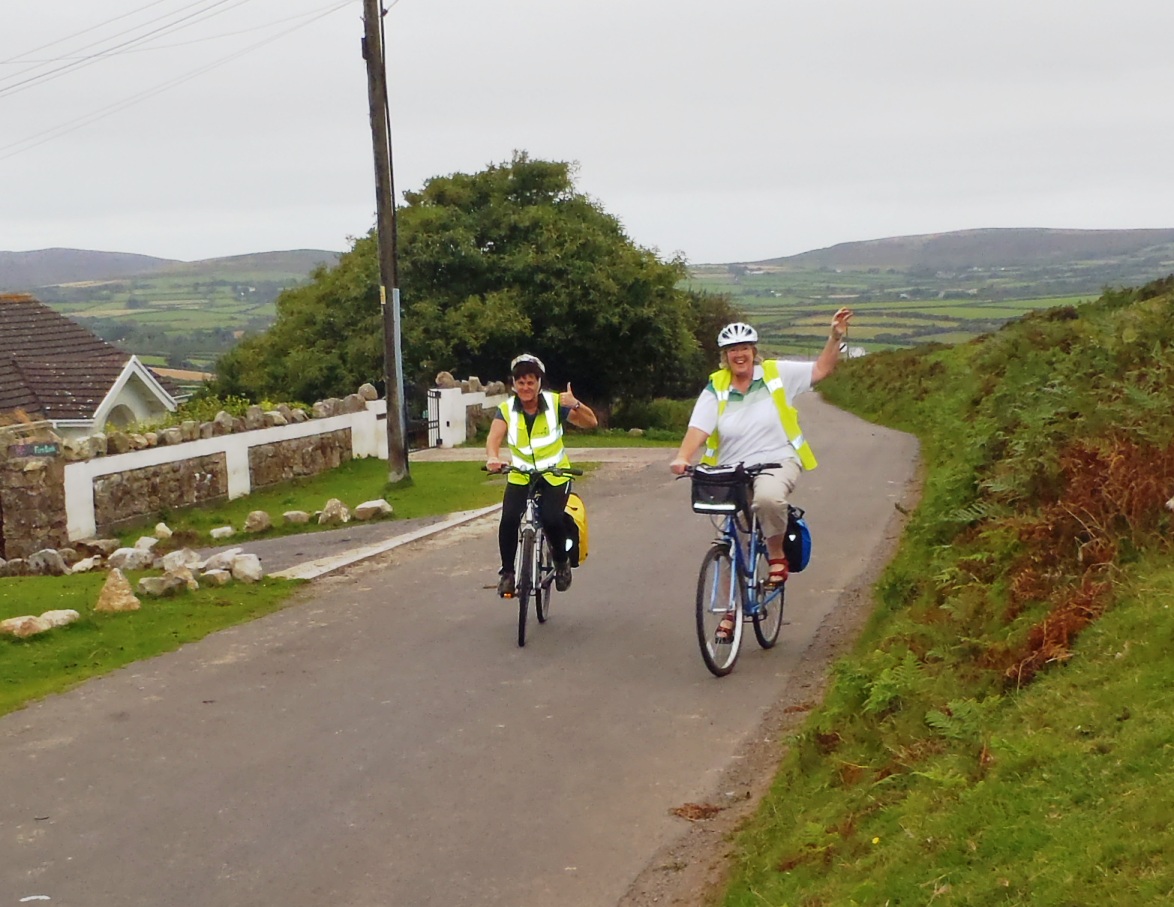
<point x="726" y="130"/>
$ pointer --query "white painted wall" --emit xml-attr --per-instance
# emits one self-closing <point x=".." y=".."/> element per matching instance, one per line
<point x="368" y="439"/>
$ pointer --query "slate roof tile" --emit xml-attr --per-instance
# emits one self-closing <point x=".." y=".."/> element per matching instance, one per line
<point x="51" y="366"/>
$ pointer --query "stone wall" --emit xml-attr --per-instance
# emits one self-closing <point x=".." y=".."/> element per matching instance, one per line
<point x="272" y="464"/>
<point x="32" y="505"/>
<point x="122" y="498"/>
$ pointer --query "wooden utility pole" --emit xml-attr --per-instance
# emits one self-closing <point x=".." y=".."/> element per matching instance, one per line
<point x="373" y="53"/>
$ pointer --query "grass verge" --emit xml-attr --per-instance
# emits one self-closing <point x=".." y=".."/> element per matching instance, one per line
<point x="98" y="643"/>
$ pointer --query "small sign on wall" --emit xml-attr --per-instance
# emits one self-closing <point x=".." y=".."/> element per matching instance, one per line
<point x="35" y="449"/>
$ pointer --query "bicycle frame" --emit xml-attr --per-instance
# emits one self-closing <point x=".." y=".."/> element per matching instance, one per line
<point x="745" y="545"/>
<point x="733" y="587"/>
<point x="534" y="562"/>
<point x="541" y="575"/>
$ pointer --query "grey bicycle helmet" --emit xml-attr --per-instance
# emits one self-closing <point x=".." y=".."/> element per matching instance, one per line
<point x="738" y="332"/>
<point x="527" y="364"/>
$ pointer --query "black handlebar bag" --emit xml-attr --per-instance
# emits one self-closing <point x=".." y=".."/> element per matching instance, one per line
<point x="721" y="489"/>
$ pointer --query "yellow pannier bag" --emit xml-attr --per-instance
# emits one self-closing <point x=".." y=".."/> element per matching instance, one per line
<point x="577" y="528"/>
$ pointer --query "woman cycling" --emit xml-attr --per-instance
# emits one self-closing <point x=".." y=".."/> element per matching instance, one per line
<point x="747" y="416"/>
<point x="530" y="422"/>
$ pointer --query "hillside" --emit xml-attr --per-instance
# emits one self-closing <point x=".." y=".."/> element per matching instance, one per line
<point x="31" y="272"/>
<point x="991" y="248"/>
<point x="935" y="288"/>
<point x="24" y="272"/>
<point x="1003" y="732"/>
<point x="181" y="314"/>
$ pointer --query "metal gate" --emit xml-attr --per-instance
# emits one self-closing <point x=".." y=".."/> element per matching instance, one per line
<point x="425" y="431"/>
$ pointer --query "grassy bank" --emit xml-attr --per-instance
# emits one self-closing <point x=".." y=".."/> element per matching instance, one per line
<point x="1003" y="733"/>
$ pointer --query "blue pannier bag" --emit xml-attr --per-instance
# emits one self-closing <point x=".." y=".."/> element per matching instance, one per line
<point x="797" y="541"/>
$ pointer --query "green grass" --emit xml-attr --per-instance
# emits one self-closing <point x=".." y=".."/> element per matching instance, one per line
<point x="99" y="643"/>
<point x="1003" y="732"/>
<point x="1057" y="796"/>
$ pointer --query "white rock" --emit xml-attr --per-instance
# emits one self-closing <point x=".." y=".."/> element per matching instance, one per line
<point x="221" y="560"/>
<point x="24" y="626"/>
<point x="247" y="568"/>
<point x="184" y="557"/>
<point x="369" y="509"/>
<point x="163" y="531"/>
<point x="222" y="532"/>
<point x="215" y="578"/>
<point x="60" y="618"/>
<point x="131" y="559"/>
<point x="85" y="565"/>
<point x="257" y="521"/>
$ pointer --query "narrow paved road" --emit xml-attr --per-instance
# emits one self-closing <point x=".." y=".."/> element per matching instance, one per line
<point x="384" y="742"/>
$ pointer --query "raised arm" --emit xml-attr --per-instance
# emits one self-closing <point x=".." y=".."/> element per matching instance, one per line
<point x="830" y="354"/>
<point x="580" y="415"/>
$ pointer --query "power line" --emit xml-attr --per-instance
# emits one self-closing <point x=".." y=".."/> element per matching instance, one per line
<point x="26" y="144"/>
<point x="186" y="21"/>
<point x="84" y="31"/>
<point x="206" y="38"/>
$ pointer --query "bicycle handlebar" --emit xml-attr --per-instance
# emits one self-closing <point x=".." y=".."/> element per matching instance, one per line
<point x="748" y="470"/>
<point x="556" y="471"/>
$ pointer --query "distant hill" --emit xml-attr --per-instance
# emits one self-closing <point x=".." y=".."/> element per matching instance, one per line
<point x="991" y="248"/>
<point x="25" y="271"/>
<point x="31" y="271"/>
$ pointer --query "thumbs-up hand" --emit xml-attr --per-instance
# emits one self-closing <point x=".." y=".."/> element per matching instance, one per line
<point x="567" y="398"/>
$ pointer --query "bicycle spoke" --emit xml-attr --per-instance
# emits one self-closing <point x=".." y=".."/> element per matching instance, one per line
<point x="719" y="612"/>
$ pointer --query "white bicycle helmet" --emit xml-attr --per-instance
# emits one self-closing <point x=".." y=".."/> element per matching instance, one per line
<point x="525" y="358"/>
<point x="738" y="332"/>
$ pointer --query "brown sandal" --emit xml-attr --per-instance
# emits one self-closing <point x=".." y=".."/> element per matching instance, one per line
<point x="725" y="629"/>
<point x="778" y="571"/>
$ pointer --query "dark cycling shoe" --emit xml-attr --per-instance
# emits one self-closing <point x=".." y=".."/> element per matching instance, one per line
<point x="562" y="576"/>
<point x="505" y="586"/>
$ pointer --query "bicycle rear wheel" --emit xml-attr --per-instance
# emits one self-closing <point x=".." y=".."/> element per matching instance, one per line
<point x="768" y="619"/>
<point x="525" y="578"/>
<point x="717" y="600"/>
<point x="543" y="593"/>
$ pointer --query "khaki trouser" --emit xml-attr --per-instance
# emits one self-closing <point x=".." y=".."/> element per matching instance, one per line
<point x="771" y="491"/>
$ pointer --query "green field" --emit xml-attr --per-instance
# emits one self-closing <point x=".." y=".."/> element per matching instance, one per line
<point x="791" y="308"/>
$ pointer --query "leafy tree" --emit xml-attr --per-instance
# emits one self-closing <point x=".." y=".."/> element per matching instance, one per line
<point x="492" y="264"/>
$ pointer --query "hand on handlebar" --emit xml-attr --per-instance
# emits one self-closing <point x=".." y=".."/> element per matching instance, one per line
<point x="680" y="467"/>
<point x="493" y="464"/>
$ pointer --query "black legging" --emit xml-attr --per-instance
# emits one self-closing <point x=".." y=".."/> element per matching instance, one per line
<point x="552" y="502"/>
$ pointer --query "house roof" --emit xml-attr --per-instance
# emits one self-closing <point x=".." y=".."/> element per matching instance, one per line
<point x="51" y="366"/>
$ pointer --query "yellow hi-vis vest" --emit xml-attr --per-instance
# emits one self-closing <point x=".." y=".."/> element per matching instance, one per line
<point x="541" y="450"/>
<point x="788" y="415"/>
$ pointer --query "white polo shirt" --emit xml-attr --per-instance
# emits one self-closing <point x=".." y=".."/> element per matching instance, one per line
<point x="749" y="430"/>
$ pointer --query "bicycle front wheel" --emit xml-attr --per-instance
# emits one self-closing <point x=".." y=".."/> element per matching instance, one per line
<point x="768" y="615"/>
<point x="719" y="611"/>
<point x="543" y="591"/>
<point x="525" y="579"/>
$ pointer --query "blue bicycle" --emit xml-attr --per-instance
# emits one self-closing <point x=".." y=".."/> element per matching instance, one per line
<point x="733" y="586"/>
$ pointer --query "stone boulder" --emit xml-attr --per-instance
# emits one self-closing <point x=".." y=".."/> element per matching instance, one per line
<point x="221" y="560"/>
<point x="335" y="511"/>
<point x="116" y="594"/>
<point x="247" y="568"/>
<point x="131" y="559"/>
<point x="258" y="521"/>
<point x="25" y="626"/>
<point x="371" y="509"/>
<point x="47" y="562"/>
